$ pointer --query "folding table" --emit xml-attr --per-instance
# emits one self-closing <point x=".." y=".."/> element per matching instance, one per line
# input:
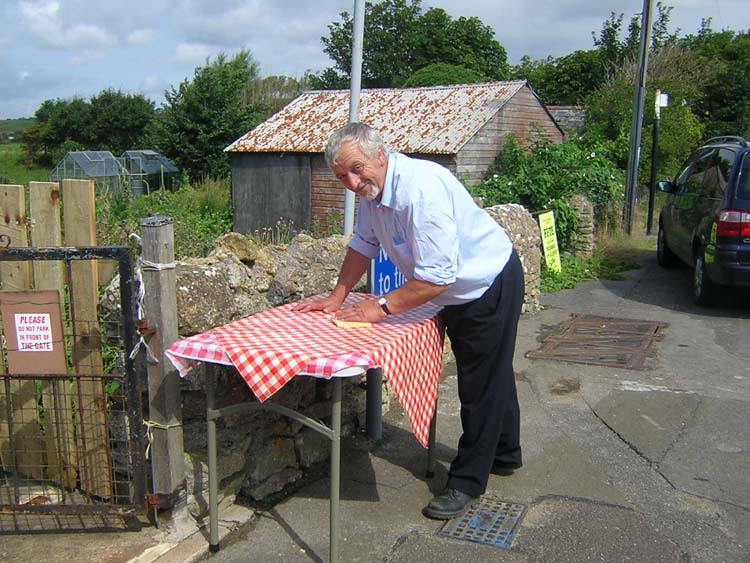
<point x="270" y="348"/>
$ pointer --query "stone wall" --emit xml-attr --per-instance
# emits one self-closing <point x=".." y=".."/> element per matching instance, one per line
<point x="524" y="233"/>
<point x="261" y="453"/>
<point x="582" y="242"/>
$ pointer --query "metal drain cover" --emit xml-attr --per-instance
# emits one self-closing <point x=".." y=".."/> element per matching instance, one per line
<point x="491" y="522"/>
<point x="604" y="341"/>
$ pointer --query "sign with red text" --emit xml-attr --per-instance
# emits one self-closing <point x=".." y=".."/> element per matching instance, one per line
<point x="33" y="332"/>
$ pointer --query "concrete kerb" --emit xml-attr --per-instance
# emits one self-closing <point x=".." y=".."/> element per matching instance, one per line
<point x="193" y="547"/>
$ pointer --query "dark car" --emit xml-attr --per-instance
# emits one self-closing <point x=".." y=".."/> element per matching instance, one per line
<point x="705" y="221"/>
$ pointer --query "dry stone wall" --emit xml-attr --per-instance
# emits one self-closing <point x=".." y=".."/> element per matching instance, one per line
<point x="582" y="243"/>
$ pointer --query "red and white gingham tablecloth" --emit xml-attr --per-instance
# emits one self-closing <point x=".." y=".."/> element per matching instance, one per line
<point x="270" y="348"/>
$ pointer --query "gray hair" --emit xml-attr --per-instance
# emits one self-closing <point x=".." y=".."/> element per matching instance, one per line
<point x="365" y="137"/>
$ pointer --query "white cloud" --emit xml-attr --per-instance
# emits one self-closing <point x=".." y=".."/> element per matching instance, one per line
<point x="192" y="53"/>
<point x="152" y="85"/>
<point x="151" y="45"/>
<point x="140" y="37"/>
<point x="45" y="23"/>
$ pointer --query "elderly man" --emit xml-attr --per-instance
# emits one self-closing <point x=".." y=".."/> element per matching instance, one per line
<point x="453" y="254"/>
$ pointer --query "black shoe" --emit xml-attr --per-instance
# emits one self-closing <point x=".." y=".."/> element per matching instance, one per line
<point x="505" y="469"/>
<point x="449" y="504"/>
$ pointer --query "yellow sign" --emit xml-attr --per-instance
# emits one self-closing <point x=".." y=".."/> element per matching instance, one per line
<point x="549" y="241"/>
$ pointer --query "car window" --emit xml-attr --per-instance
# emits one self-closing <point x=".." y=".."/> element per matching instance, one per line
<point x="716" y="175"/>
<point x="691" y="180"/>
<point x="682" y="177"/>
<point x="743" y="180"/>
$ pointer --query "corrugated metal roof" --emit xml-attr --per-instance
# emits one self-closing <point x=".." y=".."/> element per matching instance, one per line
<point x="435" y="120"/>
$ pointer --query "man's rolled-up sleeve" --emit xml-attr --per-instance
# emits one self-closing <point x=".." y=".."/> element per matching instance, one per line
<point x="367" y="248"/>
<point x="435" y="247"/>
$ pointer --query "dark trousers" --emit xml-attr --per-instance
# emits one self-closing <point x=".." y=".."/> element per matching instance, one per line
<point x="483" y="338"/>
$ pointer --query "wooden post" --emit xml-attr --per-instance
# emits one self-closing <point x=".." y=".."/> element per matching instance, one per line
<point x="90" y="399"/>
<point x="46" y="230"/>
<point x="160" y="310"/>
<point x="16" y="276"/>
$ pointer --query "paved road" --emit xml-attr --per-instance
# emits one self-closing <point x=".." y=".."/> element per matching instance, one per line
<point x="620" y="465"/>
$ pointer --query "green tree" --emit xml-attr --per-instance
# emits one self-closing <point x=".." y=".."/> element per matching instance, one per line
<point x="111" y="121"/>
<point x="567" y="80"/>
<point x="674" y="70"/>
<point x="570" y="79"/>
<point x="271" y="93"/>
<point x="440" y="74"/>
<point x="118" y="121"/>
<point x="399" y="39"/>
<point x="204" y="115"/>
<point x="329" y="79"/>
<point x="61" y="125"/>
<point x="724" y="106"/>
<point x="613" y="49"/>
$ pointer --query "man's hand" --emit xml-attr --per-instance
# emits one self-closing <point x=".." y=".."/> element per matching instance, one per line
<point x="327" y="304"/>
<point x="367" y="311"/>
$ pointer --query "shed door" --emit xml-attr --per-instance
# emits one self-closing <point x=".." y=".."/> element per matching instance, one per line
<point x="268" y="188"/>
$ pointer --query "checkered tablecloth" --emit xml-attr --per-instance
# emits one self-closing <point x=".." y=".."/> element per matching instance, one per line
<point x="270" y="348"/>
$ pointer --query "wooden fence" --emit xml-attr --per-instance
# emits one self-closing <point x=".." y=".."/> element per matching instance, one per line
<point x="75" y="454"/>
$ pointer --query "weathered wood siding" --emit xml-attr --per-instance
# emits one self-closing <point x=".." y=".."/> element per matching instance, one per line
<point x="267" y="187"/>
<point x="520" y="117"/>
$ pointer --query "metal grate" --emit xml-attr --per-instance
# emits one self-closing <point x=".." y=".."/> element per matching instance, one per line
<point x="604" y="341"/>
<point x="492" y="522"/>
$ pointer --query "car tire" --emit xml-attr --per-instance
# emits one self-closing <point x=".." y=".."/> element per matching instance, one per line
<point x="664" y="255"/>
<point x="704" y="290"/>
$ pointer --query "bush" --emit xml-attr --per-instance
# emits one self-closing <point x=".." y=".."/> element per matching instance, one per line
<point x="544" y="177"/>
<point x="200" y="214"/>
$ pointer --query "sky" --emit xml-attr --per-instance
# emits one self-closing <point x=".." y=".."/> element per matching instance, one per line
<point x="53" y="49"/>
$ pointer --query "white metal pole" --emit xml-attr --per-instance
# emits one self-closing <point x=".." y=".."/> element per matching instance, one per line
<point x="358" y="33"/>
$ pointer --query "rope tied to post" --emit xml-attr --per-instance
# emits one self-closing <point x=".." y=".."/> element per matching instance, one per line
<point x="140" y="265"/>
<point x="150" y="425"/>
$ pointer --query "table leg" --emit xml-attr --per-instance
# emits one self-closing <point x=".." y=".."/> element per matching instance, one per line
<point x="430" y="473"/>
<point x="213" y="485"/>
<point x="335" y="470"/>
<point x="374" y="404"/>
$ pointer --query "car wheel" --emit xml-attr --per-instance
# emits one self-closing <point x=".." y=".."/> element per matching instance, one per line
<point x="664" y="255"/>
<point x="704" y="290"/>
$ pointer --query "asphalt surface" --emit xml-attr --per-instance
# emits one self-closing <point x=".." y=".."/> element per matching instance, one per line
<point x="647" y="465"/>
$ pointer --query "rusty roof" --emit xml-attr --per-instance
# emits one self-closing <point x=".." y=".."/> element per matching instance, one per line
<point x="433" y="120"/>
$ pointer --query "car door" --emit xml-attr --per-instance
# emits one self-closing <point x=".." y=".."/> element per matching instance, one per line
<point x="715" y="181"/>
<point x="687" y="208"/>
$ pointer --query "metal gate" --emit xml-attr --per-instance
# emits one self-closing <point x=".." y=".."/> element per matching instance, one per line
<point x="71" y="441"/>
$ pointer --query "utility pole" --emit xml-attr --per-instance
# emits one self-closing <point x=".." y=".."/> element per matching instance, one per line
<point x="631" y="183"/>
<point x="358" y="33"/>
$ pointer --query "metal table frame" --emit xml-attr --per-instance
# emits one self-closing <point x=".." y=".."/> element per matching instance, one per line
<point x="333" y="433"/>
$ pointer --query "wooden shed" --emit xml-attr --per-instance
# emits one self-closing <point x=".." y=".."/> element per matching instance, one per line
<point x="279" y="171"/>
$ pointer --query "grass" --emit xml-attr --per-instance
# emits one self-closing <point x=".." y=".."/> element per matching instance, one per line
<point x="14" y="171"/>
<point x="613" y="256"/>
